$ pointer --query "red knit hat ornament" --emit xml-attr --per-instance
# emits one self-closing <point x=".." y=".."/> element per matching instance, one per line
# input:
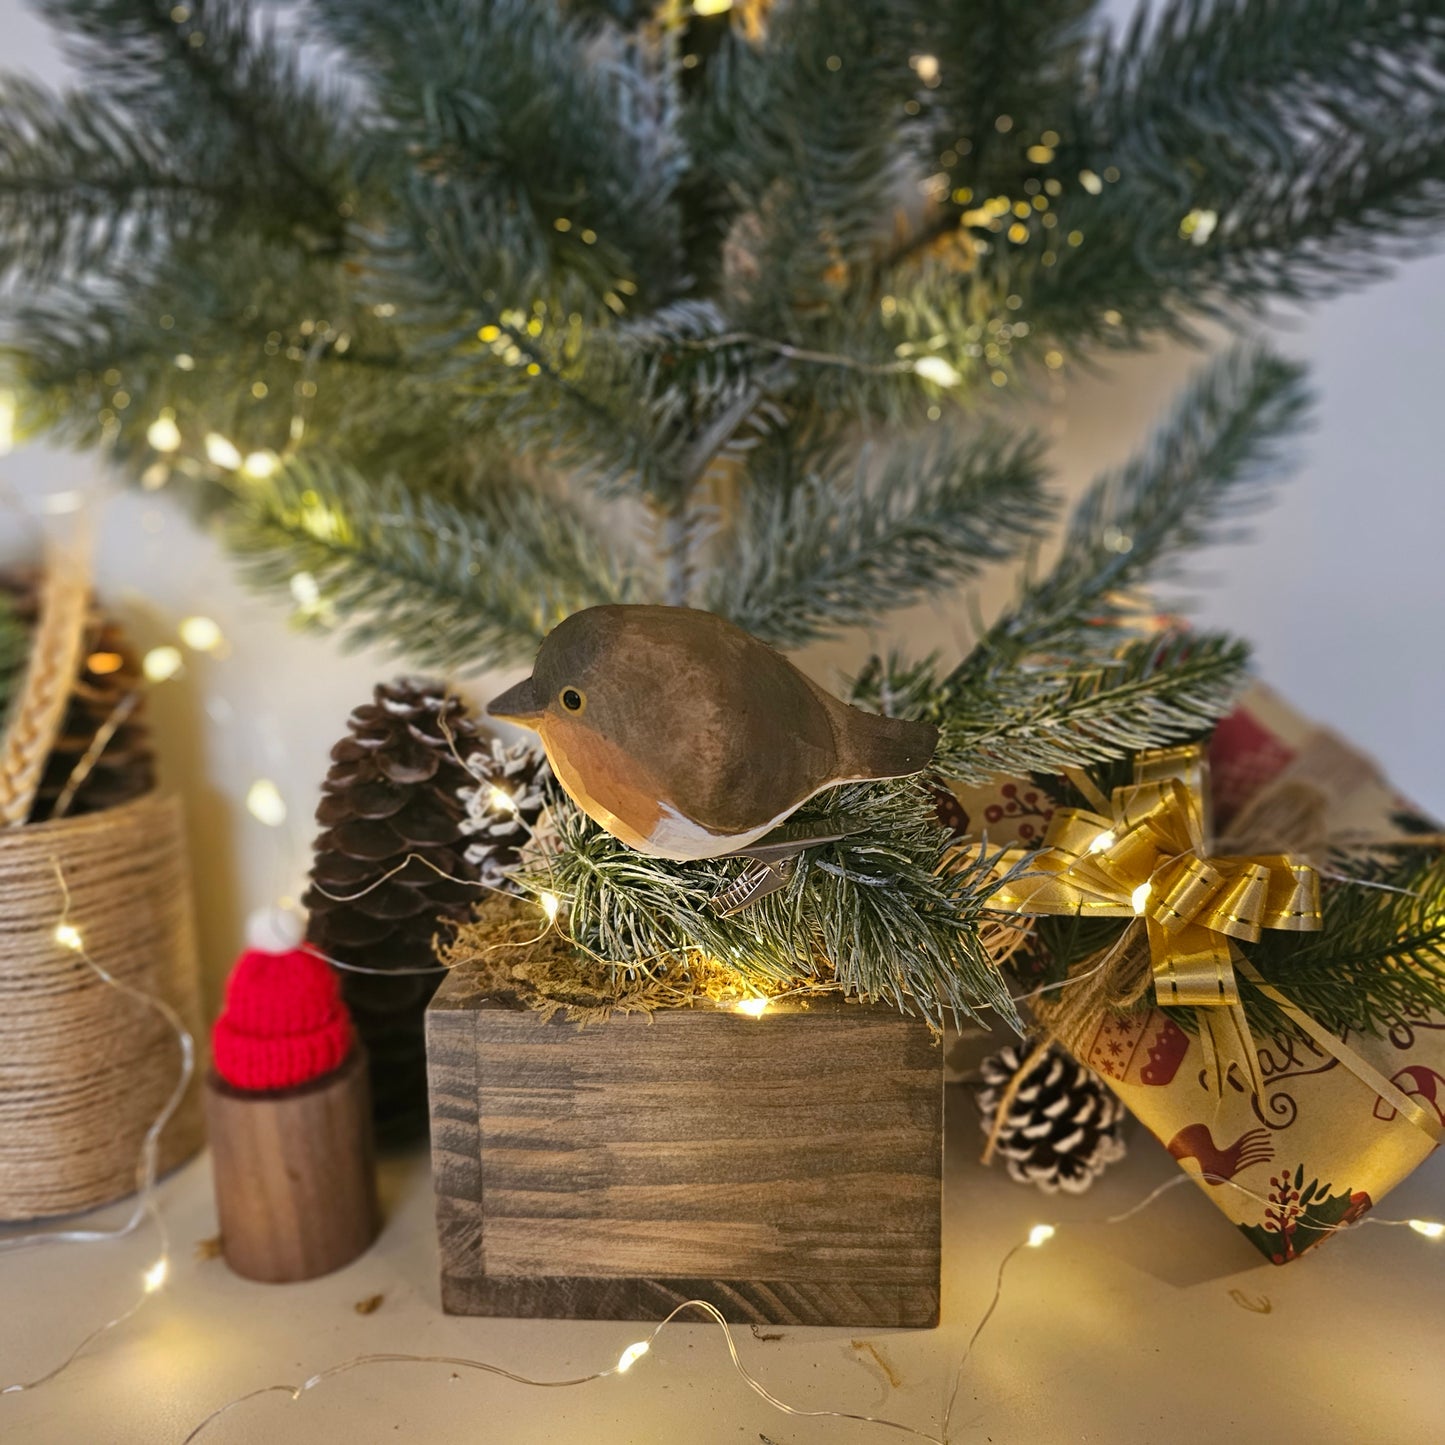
<point x="284" y="1023"/>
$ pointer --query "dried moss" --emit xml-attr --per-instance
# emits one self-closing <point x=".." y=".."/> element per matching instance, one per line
<point x="513" y="955"/>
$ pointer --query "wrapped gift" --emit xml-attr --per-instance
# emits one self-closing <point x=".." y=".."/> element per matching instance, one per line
<point x="1294" y="1128"/>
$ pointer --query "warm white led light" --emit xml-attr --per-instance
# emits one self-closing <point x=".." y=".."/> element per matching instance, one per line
<point x="265" y="803"/>
<point x="222" y="452"/>
<point x="1140" y="897"/>
<point x="156" y="1275"/>
<point x="1103" y="842"/>
<point x="67" y="935"/>
<point x="201" y="633"/>
<point x="1430" y="1228"/>
<point x="551" y="906"/>
<point x="1040" y="1234"/>
<point x="260" y="465"/>
<point x="161" y="663"/>
<point x="938" y="370"/>
<point x="754" y="1008"/>
<point x="163" y="434"/>
<point x="631" y="1355"/>
<point x="305" y="589"/>
<point x="503" y="800"/>
<point x="925" y="67"/>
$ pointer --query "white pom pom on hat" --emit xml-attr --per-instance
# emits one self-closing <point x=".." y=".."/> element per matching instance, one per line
<point x="275" y="930"/>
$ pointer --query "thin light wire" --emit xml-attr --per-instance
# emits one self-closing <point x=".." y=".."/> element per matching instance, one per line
<point x="634" y="1352"/>
<point x="630" y="1355"/>
<point x="147" y="1205"/>
<point x="1108" y="1221"/>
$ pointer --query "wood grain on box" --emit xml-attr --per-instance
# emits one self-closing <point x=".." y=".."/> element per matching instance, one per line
<point x="788" y="1168"/>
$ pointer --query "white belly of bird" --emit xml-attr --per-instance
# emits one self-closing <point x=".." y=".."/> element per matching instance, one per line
<point x="684" y="841"/>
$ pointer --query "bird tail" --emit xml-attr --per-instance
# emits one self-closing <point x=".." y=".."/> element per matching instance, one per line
<point x="871" y="746"/>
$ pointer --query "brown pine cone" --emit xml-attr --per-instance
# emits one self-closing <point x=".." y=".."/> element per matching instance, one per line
<point x="392" y="796"/>
<point x="108" y="697"/>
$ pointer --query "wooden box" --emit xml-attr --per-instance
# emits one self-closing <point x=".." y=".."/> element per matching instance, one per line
<point x="786" y="1168"/>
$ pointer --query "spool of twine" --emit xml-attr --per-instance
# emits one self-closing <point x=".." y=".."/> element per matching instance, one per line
<point x="84" y="1068"/>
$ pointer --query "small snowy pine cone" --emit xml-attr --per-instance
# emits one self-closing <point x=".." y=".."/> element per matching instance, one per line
<point x="503" y="806"/>
<point x="1064" y="1126"/>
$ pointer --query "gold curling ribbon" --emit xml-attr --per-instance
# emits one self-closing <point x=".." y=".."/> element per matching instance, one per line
<point x="1152" y="859"/>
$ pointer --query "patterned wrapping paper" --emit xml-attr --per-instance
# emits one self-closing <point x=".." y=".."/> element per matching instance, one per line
<point x="1321" y="1147"/>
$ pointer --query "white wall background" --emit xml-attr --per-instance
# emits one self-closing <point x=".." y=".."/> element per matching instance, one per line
<point x="1340" y="587"/>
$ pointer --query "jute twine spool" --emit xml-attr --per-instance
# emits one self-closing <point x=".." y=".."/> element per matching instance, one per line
<point x="84" y="1068"/>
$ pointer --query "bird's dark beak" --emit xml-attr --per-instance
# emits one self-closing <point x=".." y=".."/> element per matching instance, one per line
<point x="521" y="704"/>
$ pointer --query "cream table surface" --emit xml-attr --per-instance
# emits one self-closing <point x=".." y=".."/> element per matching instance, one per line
<point x="1168" y="1328"/>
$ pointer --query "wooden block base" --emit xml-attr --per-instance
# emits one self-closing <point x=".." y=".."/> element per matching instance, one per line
<point x="787" y="1169"/>
<point x="295" y="1175"/>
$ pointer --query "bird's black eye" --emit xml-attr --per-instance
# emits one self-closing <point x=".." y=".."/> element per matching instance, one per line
<point x="572" y="700"/>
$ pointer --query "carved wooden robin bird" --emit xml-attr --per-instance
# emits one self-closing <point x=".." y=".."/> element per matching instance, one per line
<point x="686" y="737"/>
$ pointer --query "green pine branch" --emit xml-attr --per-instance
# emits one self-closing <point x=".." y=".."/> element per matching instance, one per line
<point x="1043" y="719"/>
<point x="646" y="406"/>
<point x="1003" y="69"/>
<point x="845" y="547"/>
<point x="840" y="917"/>
<point x="1018" y="702"/>
<point x="802" y="134"/>
<point x="1260" y="74"/>
<point x="248" y="338"/>
<point x="1056" y="681"/>
<point x="534" y="153"/>
<point x="214" y="86"/>
<point x="1206" y="468"/>
<point x="446" y="586"/>
<point x="1379" y="957"/>
<point x="80" y="185"/>
<point x="1254" y="149"/>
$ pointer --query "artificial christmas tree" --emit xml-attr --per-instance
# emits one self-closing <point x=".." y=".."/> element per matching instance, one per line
<point x="390" y="865"/>
<point x="564" y="304"/>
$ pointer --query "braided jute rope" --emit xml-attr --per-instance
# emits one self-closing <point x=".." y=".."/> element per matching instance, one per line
<point x="84" y="1069"/>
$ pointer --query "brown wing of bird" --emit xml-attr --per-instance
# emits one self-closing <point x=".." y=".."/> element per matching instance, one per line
<point x="764" y="740"/>
<point x="871" y="746"/>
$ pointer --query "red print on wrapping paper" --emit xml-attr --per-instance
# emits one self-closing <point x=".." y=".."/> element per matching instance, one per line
<point x="1166" y="1053"/>
<point x="951" y="813"/>
<point x="1140" y="1049"/>
<point x="1420" y="1082"/>
<point x="1298" y="1216"/>
<point x="1243" y="756"/>
<point x="1216" y="1164"/>
<point x="1027" y="804"/>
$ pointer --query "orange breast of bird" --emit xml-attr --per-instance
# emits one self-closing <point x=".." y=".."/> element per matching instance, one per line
<point x="612" y="786"/>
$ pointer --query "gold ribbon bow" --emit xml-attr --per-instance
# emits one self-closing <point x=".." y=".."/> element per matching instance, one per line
<point x="1150" y="858"/>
